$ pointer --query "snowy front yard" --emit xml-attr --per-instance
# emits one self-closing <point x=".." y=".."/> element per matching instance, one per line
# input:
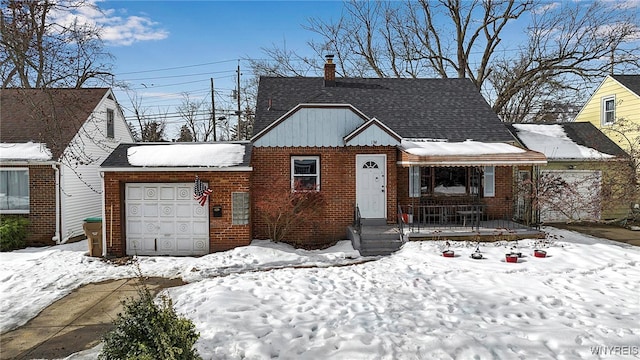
<point x="415" y="304"/>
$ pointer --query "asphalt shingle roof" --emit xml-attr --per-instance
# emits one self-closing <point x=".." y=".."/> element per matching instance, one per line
<point x="631" y="82"/>
<point x="450" y="109"/>
<point x="586" y="134"/>
<point x="50" y="116"/>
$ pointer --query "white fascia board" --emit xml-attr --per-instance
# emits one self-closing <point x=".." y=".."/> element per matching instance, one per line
<point x="174" y="169"/>
<point x="28" y="162"/>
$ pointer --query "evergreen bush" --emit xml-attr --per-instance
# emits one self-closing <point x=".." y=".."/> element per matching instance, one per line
<point x="13" y="233"/>
<point x="150" y="330"/>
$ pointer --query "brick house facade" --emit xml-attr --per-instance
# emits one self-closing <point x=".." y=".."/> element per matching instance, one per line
<point x="150" y="209"/>
<point x="223" y="235"/>
<point x="338" y="168"/>
<point x="42" y="204"/>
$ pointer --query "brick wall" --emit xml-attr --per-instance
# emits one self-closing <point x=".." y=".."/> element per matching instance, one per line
<point x="272" y="165"/>
<point x="222" y="234"/>
<point x="501" y="205"/>
<point x="42" y="205"/>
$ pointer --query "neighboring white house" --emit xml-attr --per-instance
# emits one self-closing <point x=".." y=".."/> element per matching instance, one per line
<point x="52" y="143"/>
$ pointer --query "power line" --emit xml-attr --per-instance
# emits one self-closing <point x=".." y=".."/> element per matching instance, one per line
<point x="178" y="67"/>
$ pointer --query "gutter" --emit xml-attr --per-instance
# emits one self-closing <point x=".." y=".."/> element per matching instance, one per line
<point x="56" y="237"/>
<point x="104" y="216"/>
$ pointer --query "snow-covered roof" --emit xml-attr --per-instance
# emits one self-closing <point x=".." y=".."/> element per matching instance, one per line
<point x="29" y="151"/>
<point x="425" y="152"/>
<point x="469" y="147"/>
<point x="210" y="155"/>
<point x="553" y="141"/>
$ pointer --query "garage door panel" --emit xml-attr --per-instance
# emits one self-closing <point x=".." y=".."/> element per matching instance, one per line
<point x="200" y="228"/>
<point x="149" y="210"/>
<point x="200" y="212"/>
<point x="185" y="193"/>
<point x="167" y="246"/>
<point x="167" y="228"/>
<point x="167" y="210"/>
<point x="134" y="193"/>
<point x="150" y="193"/>
<point x="134" y="227"/>
<point x="185" y="244"/>
<point x="183" y="228"/>
<point x="184" y="210"/>
<point x="164" y="219"/>
<point x="134" y="210"/>
<point x="167" y="193"/>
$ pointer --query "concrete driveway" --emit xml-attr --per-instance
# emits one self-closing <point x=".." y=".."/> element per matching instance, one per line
<point x="76" y="322"/>
<point x="611" y="232"/>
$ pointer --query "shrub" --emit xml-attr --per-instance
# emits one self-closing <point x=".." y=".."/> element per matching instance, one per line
<point x="150" y="330"/>
<point x="13" y="233"/>
<point x="283" y="210"/>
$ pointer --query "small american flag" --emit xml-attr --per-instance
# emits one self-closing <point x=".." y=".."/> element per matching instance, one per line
<point x="201" y="192"/>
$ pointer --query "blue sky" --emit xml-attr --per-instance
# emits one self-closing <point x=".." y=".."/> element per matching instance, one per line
<point x="166" y="48"/>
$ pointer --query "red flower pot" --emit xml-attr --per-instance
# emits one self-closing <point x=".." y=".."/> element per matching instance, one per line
<point x="448" y="253"/>
<point x="539" y="253"/>
<point x="512" y="258"/>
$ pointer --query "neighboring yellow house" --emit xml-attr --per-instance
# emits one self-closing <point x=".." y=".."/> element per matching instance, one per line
<point x="614" y="108"/>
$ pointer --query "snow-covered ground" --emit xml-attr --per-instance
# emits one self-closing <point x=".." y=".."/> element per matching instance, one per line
<point x="271" y="301"/>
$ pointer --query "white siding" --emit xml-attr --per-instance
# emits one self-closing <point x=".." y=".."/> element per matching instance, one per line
<point x="81" y="186"/>
<point x="373" y="136"/>
<point x="313" y="127"/>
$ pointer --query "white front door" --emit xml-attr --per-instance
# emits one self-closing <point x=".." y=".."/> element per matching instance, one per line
<point x="164" y="219"/>
<point x="371" y="186"/>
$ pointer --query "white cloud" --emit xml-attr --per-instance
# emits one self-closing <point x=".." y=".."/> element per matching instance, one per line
<point x="126" y="31"/>
<point x="546" y="7"/>
<point x="116" y="30"/>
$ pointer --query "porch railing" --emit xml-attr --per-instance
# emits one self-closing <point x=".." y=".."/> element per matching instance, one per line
<point x="453" y="216"/>
<point x="357" y="219"/>
<point x="400" y="219"/>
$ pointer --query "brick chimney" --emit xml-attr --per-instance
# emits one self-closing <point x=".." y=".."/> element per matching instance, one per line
<point x="329" y="72"/>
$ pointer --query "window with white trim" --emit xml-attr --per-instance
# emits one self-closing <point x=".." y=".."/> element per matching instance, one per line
<point x="489" y="181"/>
<point x="14" y="191"/>
<point x="305" y="173"/>
<point x="239" y="208"/>
<point x="450" y="181"/>
<point x="110" y="123"/>
<point x="608" y="110"/>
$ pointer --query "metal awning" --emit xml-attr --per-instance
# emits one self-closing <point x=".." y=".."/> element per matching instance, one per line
<point x="467" y="153"/>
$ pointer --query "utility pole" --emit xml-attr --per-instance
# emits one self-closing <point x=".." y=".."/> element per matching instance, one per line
<point x="238" y="98"/>
<point x="213" y="111"/>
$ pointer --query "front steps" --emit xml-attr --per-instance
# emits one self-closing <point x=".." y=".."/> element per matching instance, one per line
<point x="375" y="240"/>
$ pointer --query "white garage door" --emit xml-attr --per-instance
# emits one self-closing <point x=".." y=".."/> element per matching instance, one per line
<point x="164" y="219"/>
<point x="570" y="195"/>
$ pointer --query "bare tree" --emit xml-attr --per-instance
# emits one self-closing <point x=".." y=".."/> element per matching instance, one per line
<point x="146" y="127"/>
<point x="37" y="51"/>
<point x="569" y="45"/>
<point x="627" y="134"/>
<point x="197" y="118"/>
